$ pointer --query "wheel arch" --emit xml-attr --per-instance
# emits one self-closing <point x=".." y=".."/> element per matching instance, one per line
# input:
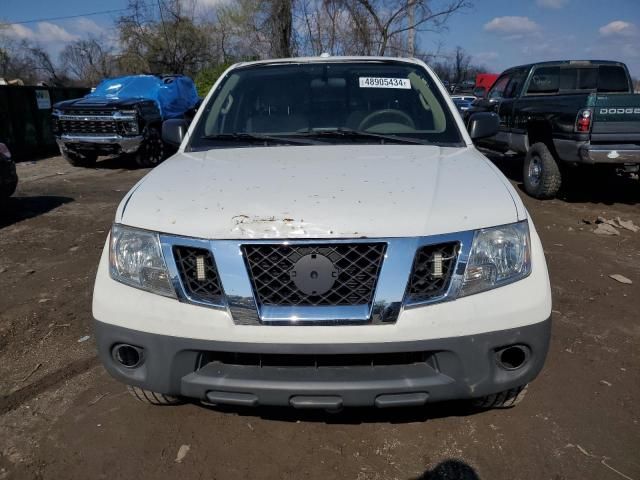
<point x="539" y="131"/>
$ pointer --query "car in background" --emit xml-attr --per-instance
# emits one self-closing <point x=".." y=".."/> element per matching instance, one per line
<point x="486" y="79"/>
<point x="565" y="114"/>
<point x="8" y="175"/>
<point x="463" y="104"/>
<point x="122" y="115"/>
<point x="464" y="87"/>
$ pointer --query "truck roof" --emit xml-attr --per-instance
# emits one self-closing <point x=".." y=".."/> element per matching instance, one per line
<point x="329" y="58"/>
<point x="577" y="63"/>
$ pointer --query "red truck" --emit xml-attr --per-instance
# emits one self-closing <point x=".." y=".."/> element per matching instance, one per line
<point x="484" y="81"/>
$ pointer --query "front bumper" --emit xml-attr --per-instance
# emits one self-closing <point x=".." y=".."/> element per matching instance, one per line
<point x="611" y="154"/>
<point x="453" y="368"/>
<point x="107" y="143"/>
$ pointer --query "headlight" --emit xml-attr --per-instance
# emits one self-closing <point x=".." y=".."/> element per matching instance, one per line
<point x="499" y="255"/>
<point x="56" y="112"/>
<point x="128" y="120"/>
<point x="135" y="258"/>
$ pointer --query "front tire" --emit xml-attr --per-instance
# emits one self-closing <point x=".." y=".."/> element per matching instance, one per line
<point x="153" y="398"/>
<point x="152" y="151"/>
<point x="79" y="160"/>
<point x="541" y="174"/>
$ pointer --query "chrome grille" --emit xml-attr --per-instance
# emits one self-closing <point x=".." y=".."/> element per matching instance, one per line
<point x="88" y="112"/>
<point x="198" y="273"/>
<point x="357" y="266"/>
<point x="107" y="126"/>
<point x="432" y="269"/>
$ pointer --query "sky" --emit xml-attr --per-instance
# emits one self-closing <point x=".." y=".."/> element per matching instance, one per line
<point x="496" y="33"/>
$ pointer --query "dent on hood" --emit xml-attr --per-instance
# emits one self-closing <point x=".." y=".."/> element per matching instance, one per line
<point x="254" y="226"/>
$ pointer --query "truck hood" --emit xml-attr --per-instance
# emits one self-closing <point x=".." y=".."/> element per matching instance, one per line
<point x="96" y="102"/>
<point x="329" y="191"/>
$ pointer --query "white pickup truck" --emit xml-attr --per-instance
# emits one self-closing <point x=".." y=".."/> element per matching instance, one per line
<point x="326" y="236"/>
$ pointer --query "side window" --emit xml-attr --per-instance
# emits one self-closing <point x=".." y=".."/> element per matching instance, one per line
<point x="568" y="79"/>
<point x="577" y="78"/>
<point x="515" y="84"/>
<point x="587" y="78"/>
<point x="545" y="80"/>
<point x="612" y="78"/>
<point x="497" y="91"/>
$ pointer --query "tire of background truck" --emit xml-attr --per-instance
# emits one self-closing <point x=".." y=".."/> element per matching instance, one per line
<point x="78" y="160"/>
<point x="152" y="151"/>
<point x="153" y="398"/>
<point x="541" y="173"/>
<point x="507" y="399"/>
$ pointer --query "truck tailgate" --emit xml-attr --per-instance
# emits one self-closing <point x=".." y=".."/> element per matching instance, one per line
<point x="616" y="116"/>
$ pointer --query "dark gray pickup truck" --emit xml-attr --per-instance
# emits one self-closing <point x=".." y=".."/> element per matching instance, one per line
<point x="564" y="114"/>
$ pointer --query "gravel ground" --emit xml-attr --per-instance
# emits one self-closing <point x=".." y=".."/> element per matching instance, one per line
<point x="62" y="416"/>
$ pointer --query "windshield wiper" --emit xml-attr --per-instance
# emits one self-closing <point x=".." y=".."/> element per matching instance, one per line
<point x="257" y="138"/>
<point x="351" y="133"/>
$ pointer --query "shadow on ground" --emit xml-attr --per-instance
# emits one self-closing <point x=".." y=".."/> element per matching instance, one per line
<point x="450" y="470"/>
<point x="117" y="162"/>
<point x="583" y="184"/>
<point x="16" y="209"/>
<point x="351" y="416"/>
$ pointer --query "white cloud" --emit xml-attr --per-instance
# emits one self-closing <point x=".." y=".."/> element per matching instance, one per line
<point x="511" y="26"/>
<point x="86" y="25"/>
<point x="618" y="28"/>
<point x="50" y="32"/>
<point x="211" y="3"/>
<point x="557" y="4"/>
<point x="45" y="33"/>
<point x="485" y="57"/>
<point x="19" y="32"/>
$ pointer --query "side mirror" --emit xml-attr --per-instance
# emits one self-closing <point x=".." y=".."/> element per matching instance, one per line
<point x="483" y="125"/>
<point x="174" y="130"/>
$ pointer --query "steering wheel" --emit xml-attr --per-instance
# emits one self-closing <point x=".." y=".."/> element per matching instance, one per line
<point x="386" y="115"/>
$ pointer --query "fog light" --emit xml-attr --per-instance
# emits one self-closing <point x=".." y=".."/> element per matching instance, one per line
<point x="128" y="356"/>
<point x="513" y="357"/>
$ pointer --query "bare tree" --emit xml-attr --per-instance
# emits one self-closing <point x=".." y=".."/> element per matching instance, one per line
<point x="390" y="18"/>
<point x="169" y="41"/>
<point x="281" y="23"/>
<point x="461" y="64"/>
<point x="411" y="21"/>
<point x="455" y="67"/>
<point x="332" y="26"/>
<point x="89" y="60"/>
<point x="46" y="69"/>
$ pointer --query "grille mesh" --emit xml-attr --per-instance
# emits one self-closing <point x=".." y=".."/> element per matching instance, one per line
<point x="88" y="112"/>
<point x="262" y="360"/>
<point x="357" y="266"/>
<point x="426" y="282"/>
<point x="88" y="127"/>
<point x="207" y="289"/>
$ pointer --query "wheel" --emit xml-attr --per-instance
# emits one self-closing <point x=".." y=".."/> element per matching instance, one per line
<point x="507" y="399"/>
<point x="541" y="173"/>
<point x="389" y="115"/>
<point x="79" y="160"/>
<point x="152" y="151"/>
<point x="153" y="398"/>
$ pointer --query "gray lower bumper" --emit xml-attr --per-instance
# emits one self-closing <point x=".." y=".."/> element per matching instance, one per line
<point x="124" y="144"/>
<point x="613" y="154"/>
<point x="454" y="368"/>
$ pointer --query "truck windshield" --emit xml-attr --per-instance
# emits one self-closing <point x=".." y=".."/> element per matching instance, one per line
<point x="332" y="102"/>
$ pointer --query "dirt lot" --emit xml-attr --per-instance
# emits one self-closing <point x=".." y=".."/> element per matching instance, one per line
<point x="62" y="416"/>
